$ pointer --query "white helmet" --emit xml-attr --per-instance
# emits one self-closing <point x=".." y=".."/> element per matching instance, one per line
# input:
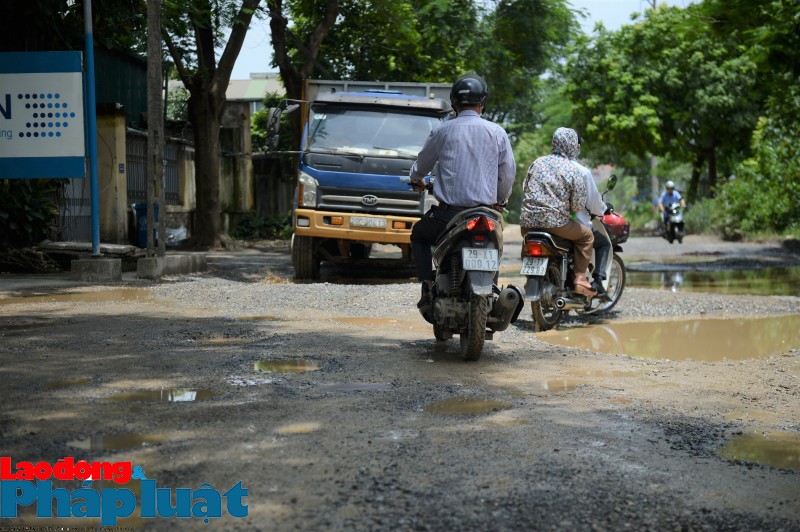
<point x="670" y="184"/>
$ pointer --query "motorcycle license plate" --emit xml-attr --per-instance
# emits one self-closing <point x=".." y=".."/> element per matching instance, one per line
<point x="485" y="260"/>
<point x="533" y="266"/>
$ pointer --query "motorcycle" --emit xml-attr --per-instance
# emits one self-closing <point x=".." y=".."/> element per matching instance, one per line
<point x="466" y="298"/>
<point x="547" y="263"/>
<point x="673" y="227"/>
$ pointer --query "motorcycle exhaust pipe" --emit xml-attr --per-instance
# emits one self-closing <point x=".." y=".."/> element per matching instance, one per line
<point x="566" y="303"/>
<point x="506" y="309"/>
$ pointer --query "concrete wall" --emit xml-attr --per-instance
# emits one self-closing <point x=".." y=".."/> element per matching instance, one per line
<point x="111" y="177"/>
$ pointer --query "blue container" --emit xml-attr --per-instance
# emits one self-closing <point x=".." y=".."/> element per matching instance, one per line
<point x="140" y="210"/>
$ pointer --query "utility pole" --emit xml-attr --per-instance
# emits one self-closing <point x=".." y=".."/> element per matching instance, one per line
<point x="155" y="131"/>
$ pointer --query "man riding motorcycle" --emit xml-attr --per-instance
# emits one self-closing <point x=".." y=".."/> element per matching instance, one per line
<point x="476" y="167"/>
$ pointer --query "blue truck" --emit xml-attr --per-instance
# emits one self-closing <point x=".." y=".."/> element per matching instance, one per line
<point x="359" y="139"/>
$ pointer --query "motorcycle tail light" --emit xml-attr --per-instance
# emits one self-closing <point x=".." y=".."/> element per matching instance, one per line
<point x="537" y="249"/>
<point x="481" y="223"/>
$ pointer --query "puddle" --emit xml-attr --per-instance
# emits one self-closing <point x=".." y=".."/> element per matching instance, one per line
<point x="57" y="385"/>
<point x="174" y="395"/>
<point x="362" y="321"/>
<point x="99" y="296"/>
<point x="22" y="326"/>
<point x="556" y="386"/>
<point x="353" y="387"/>
<point x="398" y="435"/>
<point x="466" y="405"/>
<point x="707" y="340"/>
<point x="777" y="449"/>
<point x="286" y="366"/>
<point x="298" y="428"/>
<point x="118" y="442"/>
<point x="783" y="281"/>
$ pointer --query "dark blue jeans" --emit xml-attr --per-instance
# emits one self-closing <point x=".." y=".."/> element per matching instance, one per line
<point x="424" y="235"/>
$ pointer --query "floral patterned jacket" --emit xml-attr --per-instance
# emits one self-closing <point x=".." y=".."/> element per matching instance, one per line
<point x="554" y="187"/>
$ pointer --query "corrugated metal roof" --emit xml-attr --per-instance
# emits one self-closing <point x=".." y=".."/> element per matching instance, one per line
<point x="254" y="89"/>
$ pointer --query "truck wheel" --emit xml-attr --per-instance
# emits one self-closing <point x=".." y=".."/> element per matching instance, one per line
<point x="305" y="258"/>
<point x="360" y="251"/>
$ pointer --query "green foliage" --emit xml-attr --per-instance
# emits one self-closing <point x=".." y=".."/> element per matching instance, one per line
<point x="699" y="217"/>
<point x="27" y="208"/>
<point x="763" y="195"/>
<point x="177" y="105"/>
<point x="666" y="86"/>
<point x="45" y="25"/>
<point x="253" y="226"/>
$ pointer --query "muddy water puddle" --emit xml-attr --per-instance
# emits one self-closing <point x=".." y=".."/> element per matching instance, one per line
<point x="117" y="442"/>
<point x="779" y="281"/>
<point x="466" y="405"/>
<point x="96" y="296"/>
<point x="58" y="385"/>
<point x="776" y="449"/>
<point x="175" y="395"/>
<point x="286" y="366"/>
<point x="706" y="339"/>
<point x="357" y="387"/>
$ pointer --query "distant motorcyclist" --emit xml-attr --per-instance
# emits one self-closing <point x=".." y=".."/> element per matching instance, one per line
<point x="667" y="198"/>
<point x="476" y="167"/>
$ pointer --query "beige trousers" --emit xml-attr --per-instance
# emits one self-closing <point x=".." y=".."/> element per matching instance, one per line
<point x="581" y="236"/>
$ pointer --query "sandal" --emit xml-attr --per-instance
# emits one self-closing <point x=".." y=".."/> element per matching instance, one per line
<point x="584" y="289"/>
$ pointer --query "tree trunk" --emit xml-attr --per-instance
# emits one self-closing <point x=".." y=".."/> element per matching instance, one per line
<point x="694" y="184"/>
<point x="712" y="172"/>
<point x="207" y="82"/>
<point x="207" y="164"/>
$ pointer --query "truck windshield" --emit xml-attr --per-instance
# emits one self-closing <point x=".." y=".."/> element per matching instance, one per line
<point x="369" y="132"/>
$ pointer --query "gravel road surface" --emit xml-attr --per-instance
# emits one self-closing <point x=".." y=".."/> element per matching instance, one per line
<point x="337" y="409"/>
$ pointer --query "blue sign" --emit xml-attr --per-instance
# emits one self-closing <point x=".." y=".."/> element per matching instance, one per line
<point x="41" y="115"/>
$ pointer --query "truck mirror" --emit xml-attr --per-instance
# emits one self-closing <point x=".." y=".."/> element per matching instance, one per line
<point x="274" y="122"/>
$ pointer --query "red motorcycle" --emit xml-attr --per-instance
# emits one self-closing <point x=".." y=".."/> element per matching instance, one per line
<point x="547" y="263"/>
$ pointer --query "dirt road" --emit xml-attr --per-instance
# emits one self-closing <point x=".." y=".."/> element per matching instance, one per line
<point x="334" y="406"/>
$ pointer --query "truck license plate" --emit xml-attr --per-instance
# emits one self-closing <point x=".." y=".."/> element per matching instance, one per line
<point x="533" y="266"/>
<point x="363" y="221"/>
<point x="485" y="260"/>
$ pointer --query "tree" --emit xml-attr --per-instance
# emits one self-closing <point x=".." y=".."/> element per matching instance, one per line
<point x="295" y="53"/>
<point x="511" y="45"/>
<point x="192" y="35"/>
<point x="666" y="86"/>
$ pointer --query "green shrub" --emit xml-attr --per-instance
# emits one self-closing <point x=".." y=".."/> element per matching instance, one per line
<point x="698" y="218"/>
<point x="27" y="209"/>
<point x="254" y="226"/>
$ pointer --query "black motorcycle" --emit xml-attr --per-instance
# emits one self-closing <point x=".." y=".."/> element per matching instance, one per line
<point x="547" y="263"/>
<point x="466" y="298"/>
<point x="674" y="224"/>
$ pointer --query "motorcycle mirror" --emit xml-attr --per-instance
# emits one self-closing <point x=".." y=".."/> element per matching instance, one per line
<point x="612" y="182"/>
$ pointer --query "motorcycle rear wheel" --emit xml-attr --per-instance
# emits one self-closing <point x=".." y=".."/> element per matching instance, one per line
<point x="545" y="313"/>
<point x="616" y="284"/>
<point x="474" y="334"/>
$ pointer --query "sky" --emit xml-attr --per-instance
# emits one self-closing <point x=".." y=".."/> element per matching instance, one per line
<point x="256" y="51"/>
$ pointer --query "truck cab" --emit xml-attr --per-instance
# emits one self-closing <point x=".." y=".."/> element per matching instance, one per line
<point x="357" y="144"/>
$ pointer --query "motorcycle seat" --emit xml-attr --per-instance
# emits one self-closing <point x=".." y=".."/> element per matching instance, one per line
<point x="563" y="243"/>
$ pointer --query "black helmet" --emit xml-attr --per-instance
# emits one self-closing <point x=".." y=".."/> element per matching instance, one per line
<point x="469" y="90"/>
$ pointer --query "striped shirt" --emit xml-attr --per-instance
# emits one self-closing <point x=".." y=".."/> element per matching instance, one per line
<point x="476" y="164"/>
